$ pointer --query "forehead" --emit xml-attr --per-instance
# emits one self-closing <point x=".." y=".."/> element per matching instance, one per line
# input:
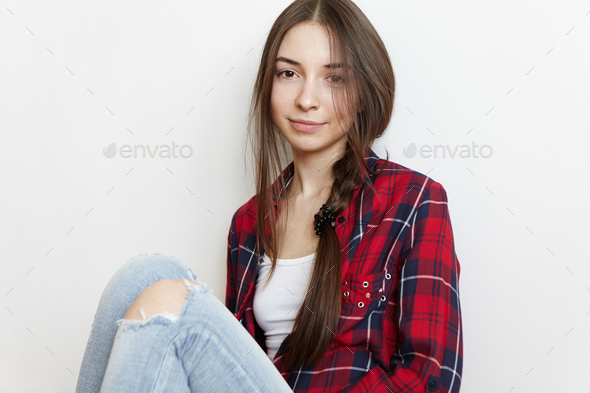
<point x="307" y="43"/>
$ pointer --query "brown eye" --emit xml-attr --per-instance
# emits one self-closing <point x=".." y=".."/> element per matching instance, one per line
<point x="282" y="72"/>
<point x="338" y="78"/>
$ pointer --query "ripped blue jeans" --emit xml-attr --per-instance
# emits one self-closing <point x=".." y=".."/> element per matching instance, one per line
<point x="206" y="349"/>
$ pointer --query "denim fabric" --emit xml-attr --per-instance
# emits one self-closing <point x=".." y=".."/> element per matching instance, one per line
<point x="206" y="349"/>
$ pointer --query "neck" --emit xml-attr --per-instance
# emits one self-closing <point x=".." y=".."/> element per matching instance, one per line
<point x="313" y="177"/>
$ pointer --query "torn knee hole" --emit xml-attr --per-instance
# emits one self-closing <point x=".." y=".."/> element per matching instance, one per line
<point x="154" y="295"/>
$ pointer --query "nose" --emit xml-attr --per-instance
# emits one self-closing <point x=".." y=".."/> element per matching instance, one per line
<point x="308" y="95"/>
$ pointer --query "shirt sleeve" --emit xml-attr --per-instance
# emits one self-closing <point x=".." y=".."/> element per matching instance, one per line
<point x="428" y="313"/>
<point x="232" y="253"/>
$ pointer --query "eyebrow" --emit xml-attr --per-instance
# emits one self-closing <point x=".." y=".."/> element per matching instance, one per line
<point x="296" y="63"/>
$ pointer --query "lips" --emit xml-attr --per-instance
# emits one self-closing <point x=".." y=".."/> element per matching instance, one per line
<point x="305" y="126"/>
<point x="305" y="121"/>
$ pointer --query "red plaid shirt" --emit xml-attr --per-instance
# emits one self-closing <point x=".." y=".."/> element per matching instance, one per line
<point x="400" y="328"/>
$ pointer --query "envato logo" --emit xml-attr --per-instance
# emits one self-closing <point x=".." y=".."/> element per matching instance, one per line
<point x="462" y="151"/>
<point x="164" y="151"/>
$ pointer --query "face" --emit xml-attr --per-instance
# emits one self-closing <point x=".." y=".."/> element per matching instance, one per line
<point x="302" y="90"/>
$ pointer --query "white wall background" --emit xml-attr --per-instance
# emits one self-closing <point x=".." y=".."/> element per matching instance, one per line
<point x="76" y="77"/>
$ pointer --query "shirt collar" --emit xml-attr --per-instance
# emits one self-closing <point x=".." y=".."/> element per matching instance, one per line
<point x="288" y="172"/>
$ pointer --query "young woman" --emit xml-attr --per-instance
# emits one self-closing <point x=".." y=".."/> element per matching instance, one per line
<point x="341" y="272"/>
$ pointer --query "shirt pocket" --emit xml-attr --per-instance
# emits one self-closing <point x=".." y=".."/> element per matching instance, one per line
<point x="363" y="293"/>
<point x="363" y="299"/>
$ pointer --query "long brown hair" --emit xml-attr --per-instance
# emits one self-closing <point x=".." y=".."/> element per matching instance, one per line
<point x="370" y="86"/>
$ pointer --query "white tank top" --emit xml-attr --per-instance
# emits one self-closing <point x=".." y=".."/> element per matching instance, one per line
<point x="276" y="305"/>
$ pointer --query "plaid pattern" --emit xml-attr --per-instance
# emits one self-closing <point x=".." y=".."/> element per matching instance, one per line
<point x="400" y="328"/>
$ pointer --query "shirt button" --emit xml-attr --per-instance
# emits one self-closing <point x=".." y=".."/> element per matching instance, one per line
<point x="346" y="293"/>
<point x="368" y="295"/>
<point x="340" y="219"/>
<point x="383" y="298"/>
<point x="380" y="289"/>
<point x="388" y="276"/>
<point x="365" y="284"/>
<point x="361" y="304"/>
<point x="432" y="386"/>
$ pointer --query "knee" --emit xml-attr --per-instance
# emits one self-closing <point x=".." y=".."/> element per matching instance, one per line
<point x="165" y="297"/>
<point x="154" y="264"/>
<point x="148" y="268"/>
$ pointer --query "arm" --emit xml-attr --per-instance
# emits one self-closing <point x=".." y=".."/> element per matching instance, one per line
<point x="428" y="314"/>
<point x="232" y="244"/>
